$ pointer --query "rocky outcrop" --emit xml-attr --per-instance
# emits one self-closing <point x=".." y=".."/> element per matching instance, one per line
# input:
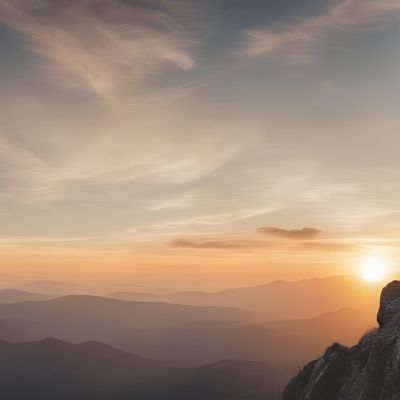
<point x="368" y="371"/>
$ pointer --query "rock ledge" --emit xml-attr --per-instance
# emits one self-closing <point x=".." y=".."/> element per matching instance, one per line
<point x="368" y="371"/>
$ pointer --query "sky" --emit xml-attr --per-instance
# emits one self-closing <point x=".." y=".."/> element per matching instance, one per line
<point x="198" y="144"/>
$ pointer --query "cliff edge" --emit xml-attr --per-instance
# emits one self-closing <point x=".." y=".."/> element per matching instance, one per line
<point x="369" y="370"/>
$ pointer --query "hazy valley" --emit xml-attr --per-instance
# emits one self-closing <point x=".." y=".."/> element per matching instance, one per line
<point x="218" y="346"/>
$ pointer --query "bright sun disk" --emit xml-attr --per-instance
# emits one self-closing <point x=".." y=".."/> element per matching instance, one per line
<point x="374" y="269"/>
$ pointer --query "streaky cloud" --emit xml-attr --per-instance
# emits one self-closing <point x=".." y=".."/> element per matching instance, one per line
<point x="216" y="244"/>
<point x="326" y="246"/>
<point x="298" y="40"/>
<point x="108" y="47"/>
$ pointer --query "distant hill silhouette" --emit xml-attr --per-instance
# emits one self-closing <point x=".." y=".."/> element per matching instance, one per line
<point x="18" y="296"/>
<point x="91" y="359"/>
<point x="52" y="369"/>
<point x="223" y="380"/>
<point x="289" y="342"/>
<point x="56" y="287"/>
<point x="279" y="299"/>
<point x="15" y="330"/>
<point x="78" y="318"/>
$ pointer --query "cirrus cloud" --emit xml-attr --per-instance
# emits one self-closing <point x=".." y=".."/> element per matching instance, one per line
<point x="105" y="46"/>
<point x="300" y="38"/>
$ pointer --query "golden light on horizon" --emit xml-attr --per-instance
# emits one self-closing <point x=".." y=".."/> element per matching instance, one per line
<point x="374" y="269"/>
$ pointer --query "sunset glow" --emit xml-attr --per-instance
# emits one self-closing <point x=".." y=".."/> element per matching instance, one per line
<point x="374" y="269"/>
<point x="172" y="144"/>
<point x="197" y="197"/>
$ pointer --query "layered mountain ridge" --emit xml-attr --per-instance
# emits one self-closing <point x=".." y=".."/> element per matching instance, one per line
<point x="53" y="369"/>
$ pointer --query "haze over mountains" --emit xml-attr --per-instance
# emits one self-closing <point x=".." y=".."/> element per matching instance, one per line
<point x="19" y="296"/>
<point x="62" y="288"/>
<point x="287" y="341"/>
<point x="169" y="351"/>
<point x="272" y="301"/>
<point x="78" y="318"/>
<point x="278" y="299"/>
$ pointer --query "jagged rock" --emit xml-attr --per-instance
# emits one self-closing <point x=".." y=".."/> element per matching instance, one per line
<point x="368" y="371"/>
<point x="390" y="302"/>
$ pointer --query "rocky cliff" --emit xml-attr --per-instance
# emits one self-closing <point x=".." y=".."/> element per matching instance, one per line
<point x="368" y="371"/>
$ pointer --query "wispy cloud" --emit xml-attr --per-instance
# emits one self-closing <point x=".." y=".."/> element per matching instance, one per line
<point x="19" y="169"/>
<point x="304" y="233"/>
<point x="300" y="38"/>
<point x="329" y="247"/>
<point x="222" y="244"/>
<point x="213" y="219"/>
<point x="105" y="45"/>
<point x="249" y="242"/>
<point x="183" y="201"/>
<point x="38" y="178"/>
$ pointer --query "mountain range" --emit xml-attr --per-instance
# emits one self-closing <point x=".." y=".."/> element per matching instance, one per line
<point x="289" y="341"/>
<point x="279" y="299"/>
<point x="237" y="344"/>
<point x="79" y="318"/>
<point x="53" y="369"/>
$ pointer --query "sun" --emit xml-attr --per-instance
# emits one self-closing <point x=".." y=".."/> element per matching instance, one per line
<point x="374" y="269"/>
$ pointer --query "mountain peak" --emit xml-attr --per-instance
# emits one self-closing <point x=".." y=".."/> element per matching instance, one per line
<point x="369" y="370"/>
<point x="389" y="303"/>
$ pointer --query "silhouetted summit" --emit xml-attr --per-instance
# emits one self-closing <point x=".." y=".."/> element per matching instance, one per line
<point x="368" y="371"/>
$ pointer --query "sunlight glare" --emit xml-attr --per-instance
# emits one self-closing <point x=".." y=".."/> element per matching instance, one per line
<point x="374" y="269"/>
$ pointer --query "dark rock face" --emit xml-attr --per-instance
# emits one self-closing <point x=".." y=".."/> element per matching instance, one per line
<point x="368" y="371"/>
<point x="390" y="302"/>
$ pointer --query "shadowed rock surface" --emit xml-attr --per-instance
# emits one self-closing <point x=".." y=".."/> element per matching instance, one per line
<point x="368" y="371"/>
